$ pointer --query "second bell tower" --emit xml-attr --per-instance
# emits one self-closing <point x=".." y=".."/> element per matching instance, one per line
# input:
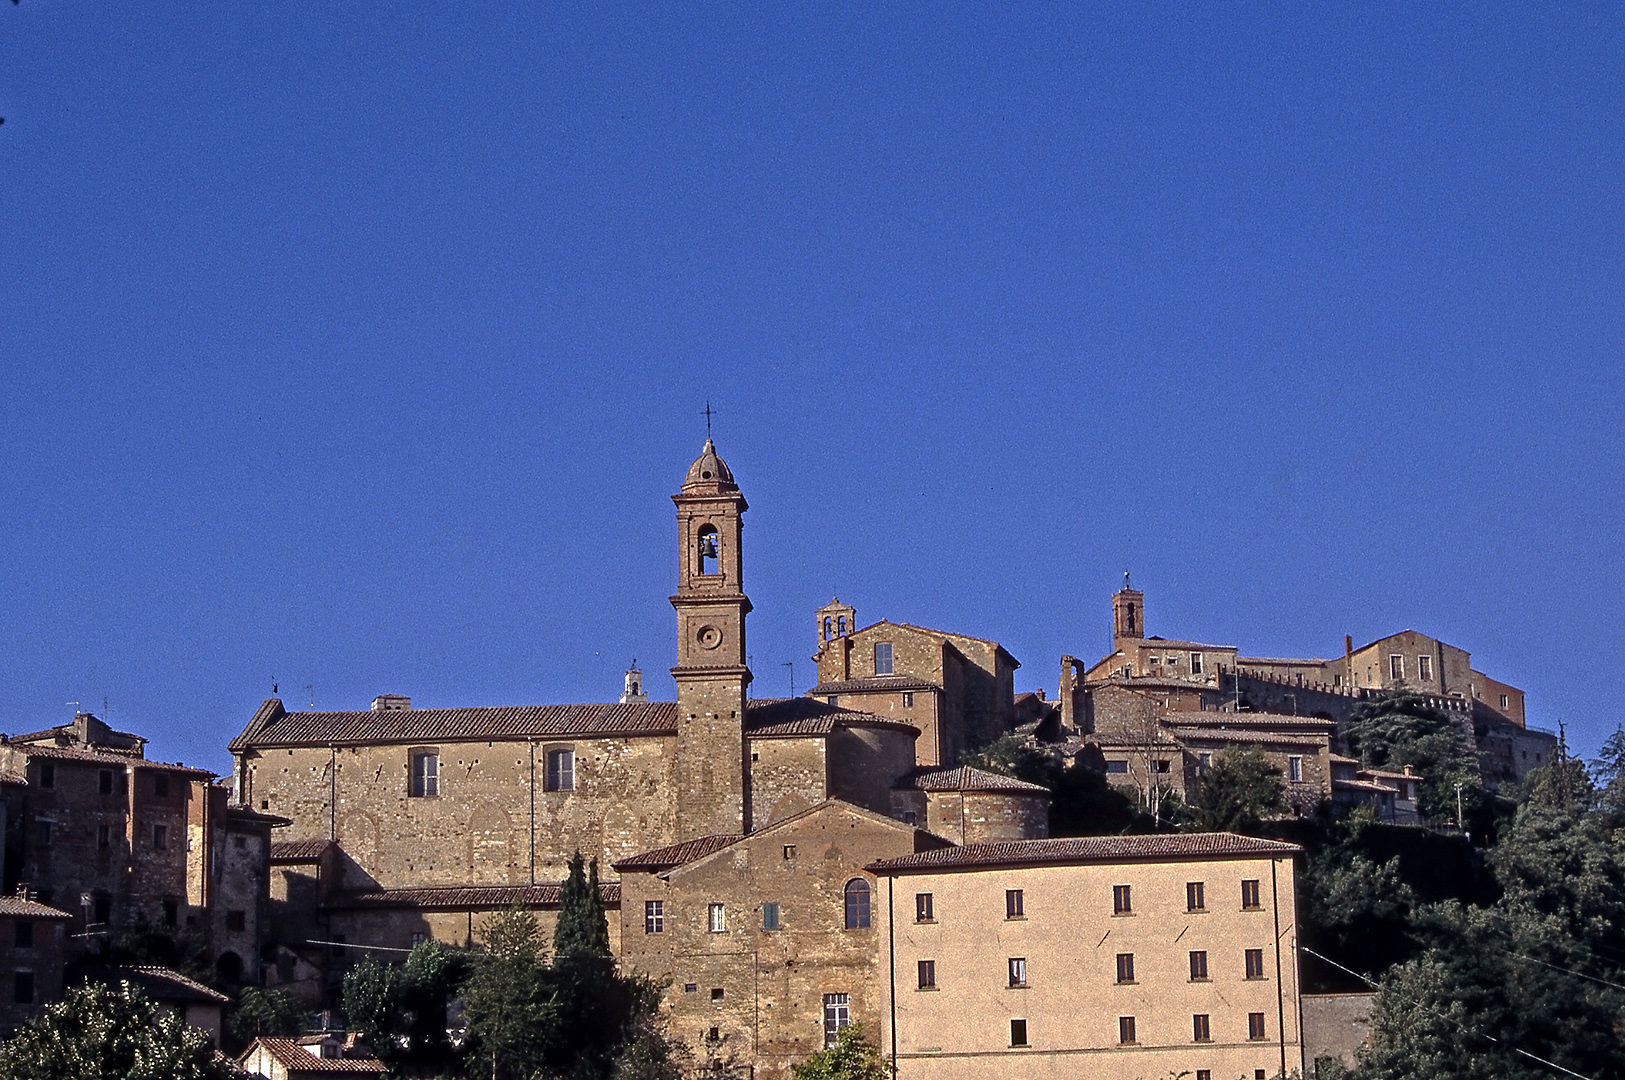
<point x="712" y="676"/>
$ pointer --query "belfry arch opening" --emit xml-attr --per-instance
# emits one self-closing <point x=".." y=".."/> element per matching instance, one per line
<point x="708" y="549"/>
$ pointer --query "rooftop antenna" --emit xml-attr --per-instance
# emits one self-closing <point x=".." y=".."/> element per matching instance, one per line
<point x="75" y="705"/>
<point x="791" y="664"/>
<point x="311" y="690"/>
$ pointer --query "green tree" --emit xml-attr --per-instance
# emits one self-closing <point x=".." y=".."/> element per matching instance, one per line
<point x="401" y="1010"/>
<point x="1240" y="789"/>
<point x="1395" y="730"/>
<point x="510" y="1011"/>
<point x="114" y="1032"/>
<point x="1082" y="802"/>
<point x="261" y="1012"/>
<point x="649" y="1054"/>
<point x="851" y="1058"/>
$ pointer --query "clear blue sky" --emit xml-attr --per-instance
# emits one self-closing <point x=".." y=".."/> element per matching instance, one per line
<point x="360" y="345"/>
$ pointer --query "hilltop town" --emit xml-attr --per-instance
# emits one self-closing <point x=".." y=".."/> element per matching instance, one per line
<point x="782" y="867"/>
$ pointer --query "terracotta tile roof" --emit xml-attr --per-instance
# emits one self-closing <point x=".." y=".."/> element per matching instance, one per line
<point x="1312" y="662"/>
<point x="1088" y="849"/>
<point x="965" y="778"/>
<point x="1362" y="785"/>
<point x="1247" y="738"/>
<point x="299" y="851"/>
<point x="467" y="897"/>
<point x="1217" y="718"/>
<point x="106" y="757"/>
<point x="1339" y="759"/>
<point x="299" y="1060"/>
<point x="790" y="717"/>
<point x="878" y="685"/>
<point x="167" y="985"/>
<point x="17" y="907"/>
<point x="13" y="778"/>
<point x="677" y="854"/>
<point x="271" y="726"/>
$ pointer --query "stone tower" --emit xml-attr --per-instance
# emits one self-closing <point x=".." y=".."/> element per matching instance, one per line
<point x="709" y="766"/>
<point x="1128" y="612"/>
<point x="834" y="620"/>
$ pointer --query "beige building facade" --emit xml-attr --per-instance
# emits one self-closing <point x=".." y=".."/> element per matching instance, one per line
<point x="1116" y="958"/>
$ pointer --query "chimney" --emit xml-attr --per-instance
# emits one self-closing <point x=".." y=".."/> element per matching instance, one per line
<point x="391" y="703"/>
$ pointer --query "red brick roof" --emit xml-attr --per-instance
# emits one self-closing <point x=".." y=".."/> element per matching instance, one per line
<point x="468" y="897"/>
<point x="167" y="985"/>
<point x="790" y="717"/>
<point x="1088" y="849"/>
<point x="64" y="753"/>
<point x="876" y="685"/>
<point x="299" y="851"/>
<point x="677" y="854"/>
<point x="272" y="726"/>
<point x="17" y="907"/>
<point x="965" y="778"/>
<point x="299" y="1060"/>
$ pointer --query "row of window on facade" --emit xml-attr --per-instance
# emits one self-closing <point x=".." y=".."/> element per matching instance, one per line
<point x="1128" y="1034"/>
<point x="559" y="772"/>
<point x="45" y="834"/>
<point x="1204" y="761"/>
<point x="856" y="902"/>
<point x="1252" y="967"/>
<point x="106" y="782"/>
<point x="1173" y="661"/>
<point x="1015" y="900"/>
<point x="837" y="1013"/>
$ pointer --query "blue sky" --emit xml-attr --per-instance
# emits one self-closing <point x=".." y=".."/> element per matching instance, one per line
<point x="360" y="346"/>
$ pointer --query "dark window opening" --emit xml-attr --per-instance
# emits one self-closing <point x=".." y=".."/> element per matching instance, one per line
<point x="23" y="934"/>
<point x="1199" y="967"/>
<point x="236" y="921"/>
<point x="172" y="911"/>
<point x="928" y="974"/>
<point x="1255" y="963"/>
<point x="47" y="775"/>
<point x="1018" y="1033"/>
<point x="1014" y="904"/>
<point x="770" y="915"/>
<point x="923" y="907"/>
<point x="22" y="988"/>
<point x="104" y="909"/>
<point x="104" y="836"/>
<point x="1125" y="967"/>
<point x="104" y="782"/>
<point x="1200" y="1031"/>
<point x="425" y="776"/>
<point x="160" y="837"/>
<point x="1122" y="900"/>
<point x="857" y="904"/>
<point x="1255" y="1026"/>
<point x="1249" y="894"/>
<point x="1193" y="896"/>
<point x="1125" y="1029"/>
<point x="160" y="785"/>
<point x="716" y="993"/>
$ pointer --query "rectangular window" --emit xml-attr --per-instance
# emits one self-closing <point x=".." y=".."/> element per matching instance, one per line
<point x="418" y="938"/>
<point x="928" y="974"/>
<point x="837" y="1015"/>
<point x="1424" y="667"/>
<point x="1194" y="899"/>
<point x="22" y="988"/>
<point x="172" y="911"/>
<point x="1204" y="760"/>
<point x="1396" y="666"/>
<point x="1196" y="663"/>
<point x="1162" y="766"/>
<point x="908" y="699"/>
<point x="1117" y="766"/>
<point x="883" y="658"/>
<point x="1199" y="1028"/>
<point x="104" y="836"/>
<point x="240" y="843"/>
<point x="1014" y="905"/>
<point x="1125" y="967"/>
<point x="1249" y="894"/>
<point x="1018" y="1033"/>
<point x="1125" y="1029"/>
<point x="716" y="920"/>
<point x="910" y="817"/>
<point x="23" y="934"/>
<point x="104" y="782"/>
<point x="42" y="833"/>
<point x="160" y="785"/>
<point x="1204" y="1074"/>
<point x="1018" y="971"/>
<point x="923" y="908"/>
<point x="1122" y="900"/>
<point x="1255" y="1026"/>
<point x="654" y="916"/>
<point x="236" y="921"/>
<point x="770" y="915"/>
<point x="47" y="775"/>
<point x="1255" y="963"/>
<point x="1503" y="701"/>
<point x="718" y="993"/>
<point x="561" y="770"/>
<point x="160" y="837"/>
<point x="1294" y="769"/>
<point x="425" y="776"/>
<point x="834" y="699"/>
<point x="1199" y="966"/>
<point x="104" y="909"/>
<point x="789" y="851"/>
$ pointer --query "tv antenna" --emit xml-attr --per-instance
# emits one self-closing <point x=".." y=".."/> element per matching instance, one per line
<point x="791" y="664"/>
<point x="310" y="690"/>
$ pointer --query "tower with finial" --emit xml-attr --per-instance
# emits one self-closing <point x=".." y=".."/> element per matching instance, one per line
<point x="1128" y="612"/>
<point x="633" y="693"/>
<point x="712" y="672"/>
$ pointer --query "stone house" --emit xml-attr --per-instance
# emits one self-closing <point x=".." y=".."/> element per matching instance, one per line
<point x="1116" y="958"/>
<point x="971" y="806"/>
<point x="316" y="1058"/>
<point x="33" y="952"/>
<point x="959" y="691"/>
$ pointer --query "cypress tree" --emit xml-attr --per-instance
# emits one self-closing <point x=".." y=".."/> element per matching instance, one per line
<point x="583" y="929"/>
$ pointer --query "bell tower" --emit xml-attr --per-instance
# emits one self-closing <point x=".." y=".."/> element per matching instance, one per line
<point x="1128" y="612"/>
<point x="711" y="673"/>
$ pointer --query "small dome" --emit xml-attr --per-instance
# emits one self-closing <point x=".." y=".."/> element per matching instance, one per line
<point x="709" y="469"/>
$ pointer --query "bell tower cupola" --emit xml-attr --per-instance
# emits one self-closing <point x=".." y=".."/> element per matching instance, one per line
<point x="711" y="670"/>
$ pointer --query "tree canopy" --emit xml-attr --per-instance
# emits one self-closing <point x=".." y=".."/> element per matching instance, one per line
<point x="1239" y="789"/>
<point x="114" y="1032"/>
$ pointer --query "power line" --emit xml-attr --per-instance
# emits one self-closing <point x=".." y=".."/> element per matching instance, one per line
<point x="1452" y="1019"/>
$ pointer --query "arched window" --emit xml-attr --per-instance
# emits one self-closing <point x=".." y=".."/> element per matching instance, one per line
<point x="708" y="549"/>
<point x="857" y="904"/>
<point x="829" y="627"/>
<point x="841" y="624"/>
